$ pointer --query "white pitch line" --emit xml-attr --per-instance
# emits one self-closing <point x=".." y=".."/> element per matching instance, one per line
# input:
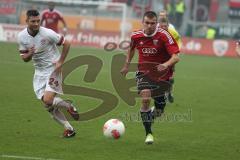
<point x="25" y="157"/>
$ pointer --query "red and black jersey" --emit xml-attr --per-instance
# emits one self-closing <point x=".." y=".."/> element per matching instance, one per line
<point x="153" y="50"/>
<point x="51" y="19"/>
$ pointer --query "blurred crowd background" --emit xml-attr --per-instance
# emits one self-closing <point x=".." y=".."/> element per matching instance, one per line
<point x="192" y="18"/>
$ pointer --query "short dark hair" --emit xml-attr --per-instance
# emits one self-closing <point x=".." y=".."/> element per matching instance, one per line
<point x="163" y="20"/>
<point x="150" y="14"/>
<point x="32" y="12"/>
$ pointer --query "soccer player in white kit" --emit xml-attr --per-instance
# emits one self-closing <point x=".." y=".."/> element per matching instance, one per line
<point x="40" y="45"/>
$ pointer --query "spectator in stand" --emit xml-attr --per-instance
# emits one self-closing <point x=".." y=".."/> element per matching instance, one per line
<point x="175" y="10"/>
<point x="211" y="33"/>
<point x="206" y="32"/>
<point x="170" y="7"/>
<point x="179" y="12"/>
<point x="50" y="18"/>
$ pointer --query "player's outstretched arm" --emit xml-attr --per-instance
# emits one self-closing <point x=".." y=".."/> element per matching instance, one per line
<point x="65" y="26"/>
<point x="129" y="57"/>
<point x="42" y="19"/>
<point x="64" y="23"/>
<point x="65" y="50"/>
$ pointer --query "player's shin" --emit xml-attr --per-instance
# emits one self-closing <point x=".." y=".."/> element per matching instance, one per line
<point x="60" y="103"/>
<point x="58" y="114"/>
<point x="147" y="119"/>
<point x="160" y="103"/>
<point x="59" y="117"/>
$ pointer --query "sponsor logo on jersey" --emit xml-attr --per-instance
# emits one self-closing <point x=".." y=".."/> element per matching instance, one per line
<point x="149" y="50"/>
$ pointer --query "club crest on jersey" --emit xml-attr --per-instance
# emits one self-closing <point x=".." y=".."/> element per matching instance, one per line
<point x="43" y="42"/>
<point x="141" y="43"/>
<point x="155" y="42"/>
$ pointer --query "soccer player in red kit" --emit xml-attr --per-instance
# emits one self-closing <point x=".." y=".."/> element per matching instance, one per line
<point x="51" y="17"/>
<point x="157" y="54"/>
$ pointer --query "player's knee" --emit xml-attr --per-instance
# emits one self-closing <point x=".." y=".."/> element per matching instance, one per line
<point x="146" y="100"/>
<point x="145" y="93"/>
<point x="48" y="101"/>
<point x="146" y="96"/>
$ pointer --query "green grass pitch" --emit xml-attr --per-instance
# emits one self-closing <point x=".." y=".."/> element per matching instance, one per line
<point x="207" y="92"/>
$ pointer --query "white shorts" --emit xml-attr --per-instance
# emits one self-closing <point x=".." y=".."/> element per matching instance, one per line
<point x="52" y="83"/>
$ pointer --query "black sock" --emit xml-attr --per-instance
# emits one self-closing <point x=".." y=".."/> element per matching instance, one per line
<point x="147" y="119"/>
<point x="160" y="103"/>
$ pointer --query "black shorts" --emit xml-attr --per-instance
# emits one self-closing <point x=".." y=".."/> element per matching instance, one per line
<point x="158" y="89"/>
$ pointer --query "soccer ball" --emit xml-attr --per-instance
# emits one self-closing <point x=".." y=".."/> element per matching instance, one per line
<point x="113" y="128"/>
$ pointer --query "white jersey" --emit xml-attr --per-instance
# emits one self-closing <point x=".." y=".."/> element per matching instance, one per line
<point x="46" y="51"/>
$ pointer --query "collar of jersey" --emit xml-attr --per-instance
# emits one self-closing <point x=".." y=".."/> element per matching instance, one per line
<point x="32" y="35"/>
<point x="150" y="34"/>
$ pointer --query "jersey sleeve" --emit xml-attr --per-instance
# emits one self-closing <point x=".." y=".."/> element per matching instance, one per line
<point x="170" y="43"/>
<point x="60" y="17"/>
<point x="133" y="41"/>
<point x="21" y="47"/>
<point x="55" y="37"/>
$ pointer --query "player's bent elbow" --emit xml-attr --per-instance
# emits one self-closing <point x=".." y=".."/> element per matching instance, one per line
<point x="67" y="43"/>
<point x="177" y="59"/>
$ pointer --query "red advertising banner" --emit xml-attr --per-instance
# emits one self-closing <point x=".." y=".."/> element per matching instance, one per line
<point x="8" y="7"/>
<point x="234" y="8"/>
<point x="193" y="46"/>
<point x="216" y="47"/>
<point x="234" y="3"/>
<point x="9" y="32"/>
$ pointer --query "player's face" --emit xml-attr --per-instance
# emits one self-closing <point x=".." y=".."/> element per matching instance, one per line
<point x="163" y="25"/>
<point x="33" y="23"/>
<point x="149" y="25"/>
<point x="51" y="7"/>
<point x="162" y="15"/>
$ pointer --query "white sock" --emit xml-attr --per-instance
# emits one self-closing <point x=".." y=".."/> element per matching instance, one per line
<point x="59" y="102"/>
<point x="61" y="119"/>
